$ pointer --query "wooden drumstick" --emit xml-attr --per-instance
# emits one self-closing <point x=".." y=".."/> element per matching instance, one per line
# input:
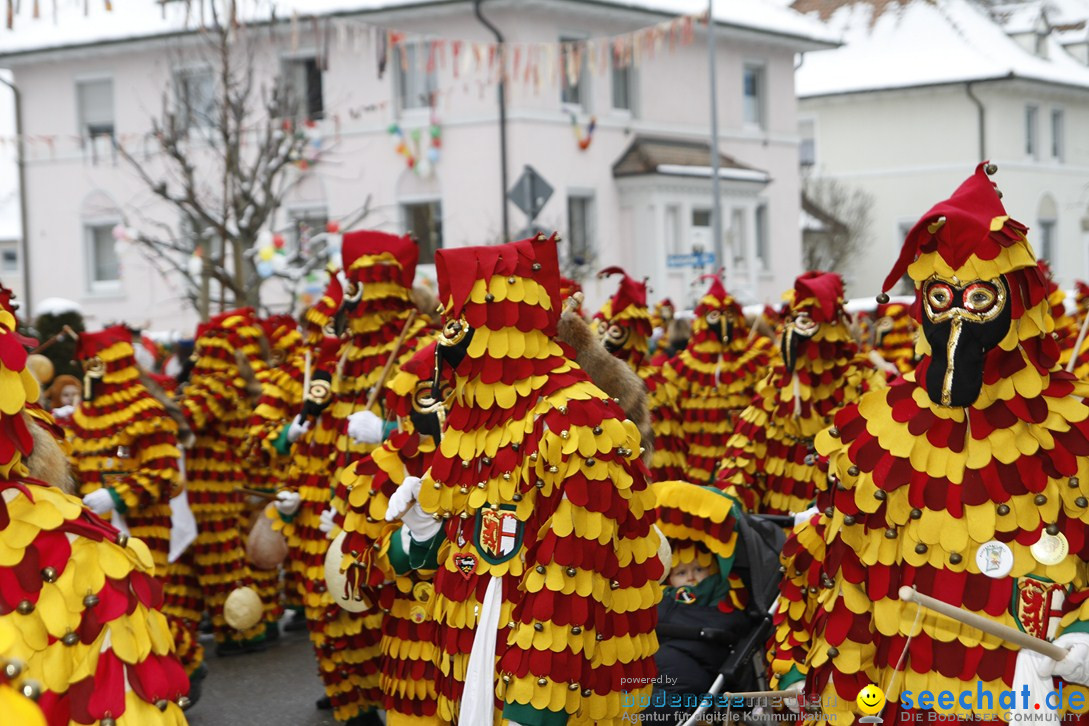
<point x="1006" y="633"/>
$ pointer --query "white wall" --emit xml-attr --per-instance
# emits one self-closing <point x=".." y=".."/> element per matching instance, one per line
<point x="672" y="100"/>
<point x="911" y="148"/>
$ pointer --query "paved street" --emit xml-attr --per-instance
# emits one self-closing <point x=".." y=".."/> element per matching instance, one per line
<point x="275" y="688"/>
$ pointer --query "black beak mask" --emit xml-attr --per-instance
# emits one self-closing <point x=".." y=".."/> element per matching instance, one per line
<point x="721" y="326"/>
<point x="428" y="413"/>
<point x="452" y="348"/>
<point x="318" y="397"/>
<point x="962" y="323"/>
<point x="797" y="330"/>
<point x="353" y="294"/>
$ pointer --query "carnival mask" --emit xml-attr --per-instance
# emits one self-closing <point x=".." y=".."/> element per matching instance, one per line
<point x="318" y="395"/>
<point x="428" y="413"/>
<point x="881" y="328"/>
<point x="720" y="324"/>
<point x="613" y="336"/>
<point x="453" y="344"/>
<point x="962" y="321"/>
<point x="353" y="293"/>
<point x="94" y="368"/>
<point x="797" y="329"/>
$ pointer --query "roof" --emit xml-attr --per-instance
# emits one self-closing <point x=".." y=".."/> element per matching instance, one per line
<point x="892" y="44"/>
<point x="137" y="19"/>
<point x="679" y="157"/>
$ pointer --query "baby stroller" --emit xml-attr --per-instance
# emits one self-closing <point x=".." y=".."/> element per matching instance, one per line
<point x="760" y="539"/>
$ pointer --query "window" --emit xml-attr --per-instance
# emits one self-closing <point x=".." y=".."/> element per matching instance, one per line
<point x="416" y="81"/>
<point x="574" y="84"/>
<point x="580" y="229"/>
<point x="94" y="100"/>
<point x="104" y="268"/>
<point x="1046" y="242"/>
<point x="302" y="86"/>
<point x="1057" y="134"/>
<point x="738" y="238"/>
<point x="423" y="220"/>
<point x="672" y="236"/>
<point x="623" y="85"/>
<point x="1030" y="131"/>
<point x="753" y="90"/>
<point x="305" y="223"/>
<point x="9" y="260"/>
<point x="761" y="222"/>
<point x="807" y="145"/>
<point x="194" y="96"/>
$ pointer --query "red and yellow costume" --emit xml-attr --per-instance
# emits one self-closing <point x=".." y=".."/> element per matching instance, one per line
<point x="624" y="326"/>
<point x="961" y="480"/>
<point x="894" y="332"/>
<point x="217" y="402"/>
<point x="547" y="569"/>
<point x="81" y="596"/>
<point x="408" y="672"/>
<point x="769" y="462"/>
<point x="380" y="269"/>
<point x="281" y="396"/>
<point x="716" y="375"/>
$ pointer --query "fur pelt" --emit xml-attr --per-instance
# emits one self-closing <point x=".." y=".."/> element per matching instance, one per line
<point x="245" y="370"/>
<point x="609" y="373"/>
<point x="47" y="461"/>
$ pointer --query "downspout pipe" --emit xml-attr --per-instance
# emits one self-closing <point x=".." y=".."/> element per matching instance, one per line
<point x="502" y="117"/>
<point x="20" y="150"/>
<point x="981" y="114"/>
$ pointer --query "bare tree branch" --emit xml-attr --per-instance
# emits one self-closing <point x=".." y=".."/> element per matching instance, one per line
<point x="838" y="222"/>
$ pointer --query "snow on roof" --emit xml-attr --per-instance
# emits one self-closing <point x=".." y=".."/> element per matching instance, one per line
<point x="926" y="42"/>
<point x="57" y="306"/>
<point x="10" y="222"/>
<point x="1023" y="17"/>
<point x="77" y="24"/>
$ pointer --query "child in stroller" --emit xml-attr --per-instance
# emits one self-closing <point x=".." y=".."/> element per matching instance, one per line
<point x="708" y="615"/>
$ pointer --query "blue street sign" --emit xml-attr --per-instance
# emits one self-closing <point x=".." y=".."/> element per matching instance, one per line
<point x="697" y="259"/>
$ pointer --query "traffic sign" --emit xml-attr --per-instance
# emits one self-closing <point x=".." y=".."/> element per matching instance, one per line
<point x="530" y="193"/>
<point x="696" y="259"/>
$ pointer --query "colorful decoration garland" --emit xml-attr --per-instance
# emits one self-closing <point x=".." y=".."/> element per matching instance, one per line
<point x="583" y="141"/>
<point x="410" y="147"/>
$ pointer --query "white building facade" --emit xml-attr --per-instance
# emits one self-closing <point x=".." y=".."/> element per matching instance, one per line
<point x="921" y="93"/>
<point x="84" y="90"/>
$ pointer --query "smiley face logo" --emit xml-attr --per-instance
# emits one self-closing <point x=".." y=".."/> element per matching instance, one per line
<point x="870" y="700"/>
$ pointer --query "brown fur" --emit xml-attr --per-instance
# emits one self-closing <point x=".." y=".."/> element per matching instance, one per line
<point x="245" y="370"/>
<point x="427" y="303"/>
<point x="609" y="373"/>
<point x="47" y="461"/>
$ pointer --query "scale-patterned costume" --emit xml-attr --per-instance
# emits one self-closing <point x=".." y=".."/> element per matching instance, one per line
<point x="624" y="326"/>
<point x="217" y="403"/>
<point x="967" y="479"/>
<point x="716" y="375"/>
<point x="380" y="269"/>
<point x="769" y="462"/>
<point x="281" y="397"/>
<point x="548" y="564"/>
<point x="124" y="439"/>
<point x="81" y="596"/>
<point x="800" y="563"/>
<point x="408" y="631"/>
<point x="894" y="332"/>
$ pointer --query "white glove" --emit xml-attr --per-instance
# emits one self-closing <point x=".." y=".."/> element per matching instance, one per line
<point x="63" y="411"/>
<point x="1032" y="672"/>
<point x="365" y="427"/>
<point x="805" y="516"/>
<point x="1074" y="668"/>
<point x="326" y="524"/>
<point x="287" y="503"/>
<point x="793" y="703"/>
<point x="100" y="502"/>
<point x="403" y="505"/>
<point x="297" y="428"/>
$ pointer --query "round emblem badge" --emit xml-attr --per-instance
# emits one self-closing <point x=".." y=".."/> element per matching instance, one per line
<point x="685" y="595"/>
<point x="422" y="591"/>
<point x="1050" y="549"/>
<point x="417" y="614"/>
<point x="994" y="559"/>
